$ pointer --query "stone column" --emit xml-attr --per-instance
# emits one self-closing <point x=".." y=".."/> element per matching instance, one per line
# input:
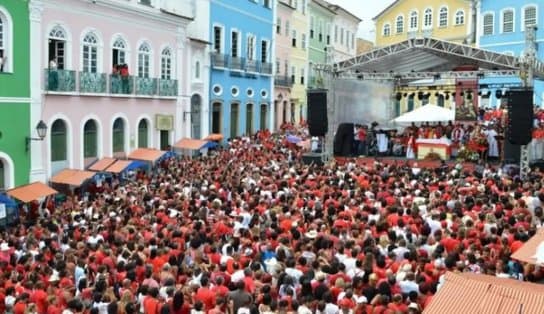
<point x="37" y="152"/>
<point x="181" y="69"/>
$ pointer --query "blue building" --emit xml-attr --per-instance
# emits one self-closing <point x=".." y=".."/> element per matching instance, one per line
<point x="501" y="28"/>
<point x="241" y="83"/>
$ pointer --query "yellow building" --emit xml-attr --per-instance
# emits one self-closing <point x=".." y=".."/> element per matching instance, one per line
<point x="299" y="59"/>
<point x="450" y="20"/>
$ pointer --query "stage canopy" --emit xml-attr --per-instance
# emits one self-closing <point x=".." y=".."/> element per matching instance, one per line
<point x="431" y="55"/>
<point x="427" y="113"/>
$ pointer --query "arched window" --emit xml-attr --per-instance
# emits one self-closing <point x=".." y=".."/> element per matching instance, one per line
<point x="90" y="53"/>
<point x="119" y="51"/>
<point x="59" y="141"/>
<point x="90" y="139"/>
<point x="57" y="46"/>
<point x="460" y="17"/>
<point x="529" y="16"/>
<point x="118" y="136"/>
<point x="428" y="18"/>
<point x="508" y="21"/>
<point x="443" y="18"/>
<point x="386" y="30"/>
<point x="143" y="134"/>
<point x="166" y="64"/>
<point x="144" y="57"/>
<point x="413" y="20"/>
<point x="488" y="24"/>
<point x="6" y="31"/>
<point x="400" y="24"/>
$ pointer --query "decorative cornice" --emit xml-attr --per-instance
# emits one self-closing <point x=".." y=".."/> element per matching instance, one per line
<point x="35" y="8"/>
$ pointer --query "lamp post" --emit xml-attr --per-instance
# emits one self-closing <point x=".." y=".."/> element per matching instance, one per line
<point x="41" y="129"/>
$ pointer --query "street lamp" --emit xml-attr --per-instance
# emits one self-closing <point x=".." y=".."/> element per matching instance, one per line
<point x="41" y="129"/>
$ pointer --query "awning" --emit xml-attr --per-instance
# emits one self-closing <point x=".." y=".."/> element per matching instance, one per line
<point x="72" y="177"/>
<point x="189" y="143"/>
<point x="102" y="164"/>
<point x="119" y="166"/>
<point x="31" y="192"/>
<point x="214" y="137"/>
<point x="146" y="154"/>
<point x="532" y="250"/>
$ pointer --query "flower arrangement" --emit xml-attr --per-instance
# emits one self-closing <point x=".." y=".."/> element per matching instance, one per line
<point x="466" y="154"/>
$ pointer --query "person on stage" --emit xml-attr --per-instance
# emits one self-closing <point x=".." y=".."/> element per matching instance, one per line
<point x="411" y="147"/>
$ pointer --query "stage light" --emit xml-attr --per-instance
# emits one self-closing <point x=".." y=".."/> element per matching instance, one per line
<point x="498" y="94"/>
<point x="405" y="95"/>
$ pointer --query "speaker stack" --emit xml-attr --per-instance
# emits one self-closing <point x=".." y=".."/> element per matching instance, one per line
<point x="318" y="123"/>
<point x="343" y="140"/>
<point x="520" y="123"/>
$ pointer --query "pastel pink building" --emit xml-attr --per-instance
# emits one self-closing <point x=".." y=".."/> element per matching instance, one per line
<point x="282" y="80"/>
<point x="115" y="76"/>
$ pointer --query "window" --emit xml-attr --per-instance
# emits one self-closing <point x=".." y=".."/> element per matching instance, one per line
<point x="293" y="74"/>
<point x="488" y="24"/>
<point x="302" y="72"/>
<point x="400" y="24"/>
<point x="5" y="40"/>
<point x="303" y="41"/>
<point x="250" y="54"/>
<point x="59" y="141"/>
<point x="341" y="36"/>
<point x="145" y="2"/>
<point x="443" y="18"/>
<point x="428" y="18"/>
<point x="386" y="30"/>
<point x="90" y="139"/>
<point x="267" y="4"/>
<point x="286" y="67"/>
<point x="347" y="38"/>
<point x="234" y="36"/>
<point x="328" y="30"/>
<point x="294" y="38"/>
<point x="312" y="25"/>
<point x="118" y="136"/>
<point x="166" y="64"/>
<point x="460" y="17"/>
<point x="278" y="26"/>
<point x="143" y="134"/>
<point x="335" y="33"/>
<point x="119" y="52"/>
<point x="197" y="70"/>
<point x="90" y="53"/>
<point x="413" y="20"/>
<point x="217" y="39"/>
<point x="352" y="40"/>
<point x="303" y="6"/>
<point x="287" y="28"/>
<point x="508" y="21"/>
<point x="57" y="46"/>
<point x="264" y="51"/>
<point x="277" y="66"/>
<point x="144" y="56"/>
<point x="529" y="16"/>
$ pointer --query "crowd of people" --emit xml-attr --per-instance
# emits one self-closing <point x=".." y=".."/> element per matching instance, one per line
<point x="252" y="229"/>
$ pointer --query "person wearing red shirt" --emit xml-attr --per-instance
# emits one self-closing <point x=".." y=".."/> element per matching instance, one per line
<point x="21" y="304"/>
<point x="39" y="297"/>
<point x="205" y="295"/>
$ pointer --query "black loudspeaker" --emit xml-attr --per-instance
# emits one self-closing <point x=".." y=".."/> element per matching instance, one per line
<point x="343" y="140"/>
<point x="520" y="116"/>
<point x="512" y="153"/>
<point x="318" y="123"/>
<point x="312" y="158"/>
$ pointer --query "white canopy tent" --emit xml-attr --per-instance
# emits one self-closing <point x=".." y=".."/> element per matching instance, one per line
<point x="426" y="113"/>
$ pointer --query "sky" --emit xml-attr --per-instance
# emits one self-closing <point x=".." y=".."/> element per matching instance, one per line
<point x="365" y="10"/>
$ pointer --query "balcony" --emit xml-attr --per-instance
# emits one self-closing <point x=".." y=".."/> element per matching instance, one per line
<point x="236" y="63"/>
<point x="282" y="81"/>
<point x="266" y="68"/>
<point x="168" y="88"/>
<point x="92" y="83"/>
<point x="65" y="81"/>
<point x="219" y="60"/>
<point x="146" y="86"/>
<point x="60" y="80"/>
<point x="251" y="66"/>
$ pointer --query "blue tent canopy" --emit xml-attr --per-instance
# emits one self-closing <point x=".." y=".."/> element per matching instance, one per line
<point x="4" y="199"/>
<point x="136" y="164"/>
<point x="210" y="144"/>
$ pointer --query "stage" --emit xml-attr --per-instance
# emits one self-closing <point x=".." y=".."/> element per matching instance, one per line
<point x="364" y="161"/>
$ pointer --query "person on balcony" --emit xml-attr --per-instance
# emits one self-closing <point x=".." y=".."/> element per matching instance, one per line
<point x="115" y="79"/>
<point x="53" y="75"/>
<point x="125" y="79"/>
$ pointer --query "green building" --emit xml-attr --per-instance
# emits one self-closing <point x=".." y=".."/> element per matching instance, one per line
<point x="321" y="21"/>
<point x="14" y="93"/>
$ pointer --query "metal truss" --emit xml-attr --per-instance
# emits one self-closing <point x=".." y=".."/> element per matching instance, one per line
<point x="426" y="75"/>
<point x="444" y="49"/>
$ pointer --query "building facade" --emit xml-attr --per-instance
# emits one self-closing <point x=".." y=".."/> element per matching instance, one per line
<point x="299" y="59"/>
<point x="282" y="79"/>
<point x="14" y="94"/>
<point x="502" y="25"/>
<point x="241" y="85"/>
<point x="321" y="23"/>
<point x="344" y="30"/>
<point x="113" y="76"/>
<point x="450" y="20"/>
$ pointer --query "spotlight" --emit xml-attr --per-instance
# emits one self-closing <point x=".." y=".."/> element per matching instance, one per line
<point x="498" y="94"/>
<point x="405" y="95"/>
